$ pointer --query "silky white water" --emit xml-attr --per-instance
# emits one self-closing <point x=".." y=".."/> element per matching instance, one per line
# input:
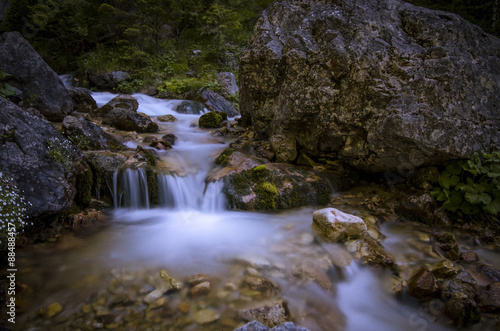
<point x="191" y="231"/>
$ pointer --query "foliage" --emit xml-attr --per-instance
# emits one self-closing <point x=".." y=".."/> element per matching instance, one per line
<point x="177" y="44"/>
<point x="12" y="211"/>
<point x="5" y="89"/>
<point x="471" y="186"/>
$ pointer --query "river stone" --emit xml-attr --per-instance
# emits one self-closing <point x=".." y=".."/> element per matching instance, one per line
<point x="109" y="80"/>
<point x="190" y="107"/>
<point x="205" y="316"/>
<point x="333" y="225"/>
<point x="104" y="164"/>
<point x="83" y="99"/>
<point x="44" y="165"/>
<point x="262" y="285"/>
<point x="41" y="86"/>
<point x="384" y="86"/>
<point x="373" y="254"/>
<point x="423" y="285"/>
<point x="462" y="312"/>
<point x="269" y="313"/>
<point x="54" y="309"/>
<point x="167" y="118"/>
<point x="469" y="257"/>
<point x="489" y="298"/>
<point x="128" y="120"/>
<point x="257" y="326"/>
<point x="215" y="102"/>
<point x="199" y="289"/>
<point x="211" y="120"/>
<point x="310" y="270"/>
<point x="122" y="101"/>
<point x="87" y="136"/>
<point x="447" y="244"/>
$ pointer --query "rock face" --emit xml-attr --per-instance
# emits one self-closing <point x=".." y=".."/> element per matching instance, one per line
<point x="334" y="225"/>
<point x="41" y="87"/>
<point x="381" y="85"/>
<point x="43" y="163"/>
<point x="227" y="81"/>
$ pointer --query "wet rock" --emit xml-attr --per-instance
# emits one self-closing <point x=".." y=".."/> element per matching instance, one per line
<point x="462" y="285"/>
<point x="262" y="285"/>
<point x="169" y="138"/>
<point x="333" y="225"/>
<point x="161" y="145"/>
<point x="83" y="99"/>
<point x="122" y="101"/>
<point x="447" y="245"/>
<point x="462" y="312"/>
<point x="253" y="326"/>
<point x="153" y="296"/>
<point x="200" y="289"/>
<point x="445" y="269"/>
<point x="419" y="207"/>
<point x="269" y="313"/>
<point x="197" y="279"/>
<point x="423" y="285"/>
<point x="167" y="118"/>
<point x="205" y="316"/>
<point x="211" y="120"/>
<point x="256" y="326"/>
<point x="44" y="165"/>
<point x="103" y="165"/>
<point x="215" y="102"/>
<point x="284" y="147"/>
<point x="87" y="136"/>
<point x="488" y="271"/>
<point x="53" y="309"/>
<point x="128" y="120"/>
<point x="358" y="84"/>
<point x="41" y="87"/>
<point x="109" y="80"/>
<point x="190" y="107"/>
<point x="489" y="298"/>
<point x="374" y="255"/>
<point x="309" y="270"/>
<point x="469" y="257"/>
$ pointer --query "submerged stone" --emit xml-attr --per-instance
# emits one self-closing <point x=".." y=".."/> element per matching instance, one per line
<point x="269" y="313"/>
<point x="423" y="285"/>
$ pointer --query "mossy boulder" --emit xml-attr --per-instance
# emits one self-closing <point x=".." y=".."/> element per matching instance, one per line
<point x="212" y="120"/>
<point x="252" y="183"/>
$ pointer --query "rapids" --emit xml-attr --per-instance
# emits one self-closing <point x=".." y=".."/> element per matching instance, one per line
<point x="192" y="232"/>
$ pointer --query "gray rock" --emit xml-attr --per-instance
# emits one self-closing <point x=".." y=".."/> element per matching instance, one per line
<point x="284" y="147"/>
<point x="87" y="136"/>
<point x="256" y="326"/>
<point x="190" y="107"/>
<point x="83" y="99"/>
<point x="489" y="298"/>
<point x="41" y="86"/>
<point x="44" y="164"/>
<point x="269" y="313"/>
<point x="215" y="102"/>
<point x="423" y="285"/>
<point x="109" y="80"/>
<point x="333" y="225"/>
<point x="122" y="101"/>
<point x="381" y="85"/>
<point x="104" y="164"/>
<point x="228" y="84"/>
<point x="128" y="120"/>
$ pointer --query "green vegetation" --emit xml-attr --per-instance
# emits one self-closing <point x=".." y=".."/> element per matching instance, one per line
<point x="471" y="186"/>
<point x="175" y="45"/>
<point x="5" y="89"/>
<point x="212" y="119"/>
<point x="266" y="192"/>
<point x="485" y="13"/>
<point x="12" y="212"/>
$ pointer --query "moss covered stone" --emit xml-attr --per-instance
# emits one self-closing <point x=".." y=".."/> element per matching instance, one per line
<point x="266" y="192"/>
<point x="211" y="120"/>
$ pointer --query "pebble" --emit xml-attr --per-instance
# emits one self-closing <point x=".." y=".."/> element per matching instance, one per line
<point x="206" y="316"/>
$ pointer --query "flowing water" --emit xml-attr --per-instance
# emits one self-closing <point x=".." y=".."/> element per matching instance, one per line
<point x="192" y="232"/>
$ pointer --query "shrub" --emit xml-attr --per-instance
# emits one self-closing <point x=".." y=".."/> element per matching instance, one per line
<point x="471" y="186"/>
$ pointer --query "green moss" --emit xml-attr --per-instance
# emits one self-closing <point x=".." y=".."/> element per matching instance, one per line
<point x="266" y="192"/>
<point x="84" y="181"/>
<point x="222" y="159"/>
<point x="152" y="178"/>
<point x="260" y="168"/>
<point x="210" y="120"/>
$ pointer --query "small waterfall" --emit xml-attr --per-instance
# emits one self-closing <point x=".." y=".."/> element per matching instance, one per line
<point x="190" y="192"/>
<point x="130" y="189"/>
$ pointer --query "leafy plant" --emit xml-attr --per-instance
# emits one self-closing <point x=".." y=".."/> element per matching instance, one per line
<point x="5" y="89"/>
<point x="471" y="186"/>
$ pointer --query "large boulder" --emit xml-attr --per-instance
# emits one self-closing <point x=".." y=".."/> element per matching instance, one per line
<point x="89" y="137"/>
<point x="216" y="102"/>
<point x="41" y="86"/>
<point x="381" y="85"/>
<point x="44" y="165"/>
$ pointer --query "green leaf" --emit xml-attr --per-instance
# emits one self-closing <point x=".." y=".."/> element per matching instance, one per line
<point x="439" y="194"/>
<point x="455" y="198"/>
<point x="478" y="198"/>
<point x="446" y="180"/>
<point x="469" y="209"/>
<point x="454" y="168"/>
<point x="493" y="207"/>
<point x="494" y="170"/>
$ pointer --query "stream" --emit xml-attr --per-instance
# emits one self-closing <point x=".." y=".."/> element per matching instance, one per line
<point x="102" y="279"/>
